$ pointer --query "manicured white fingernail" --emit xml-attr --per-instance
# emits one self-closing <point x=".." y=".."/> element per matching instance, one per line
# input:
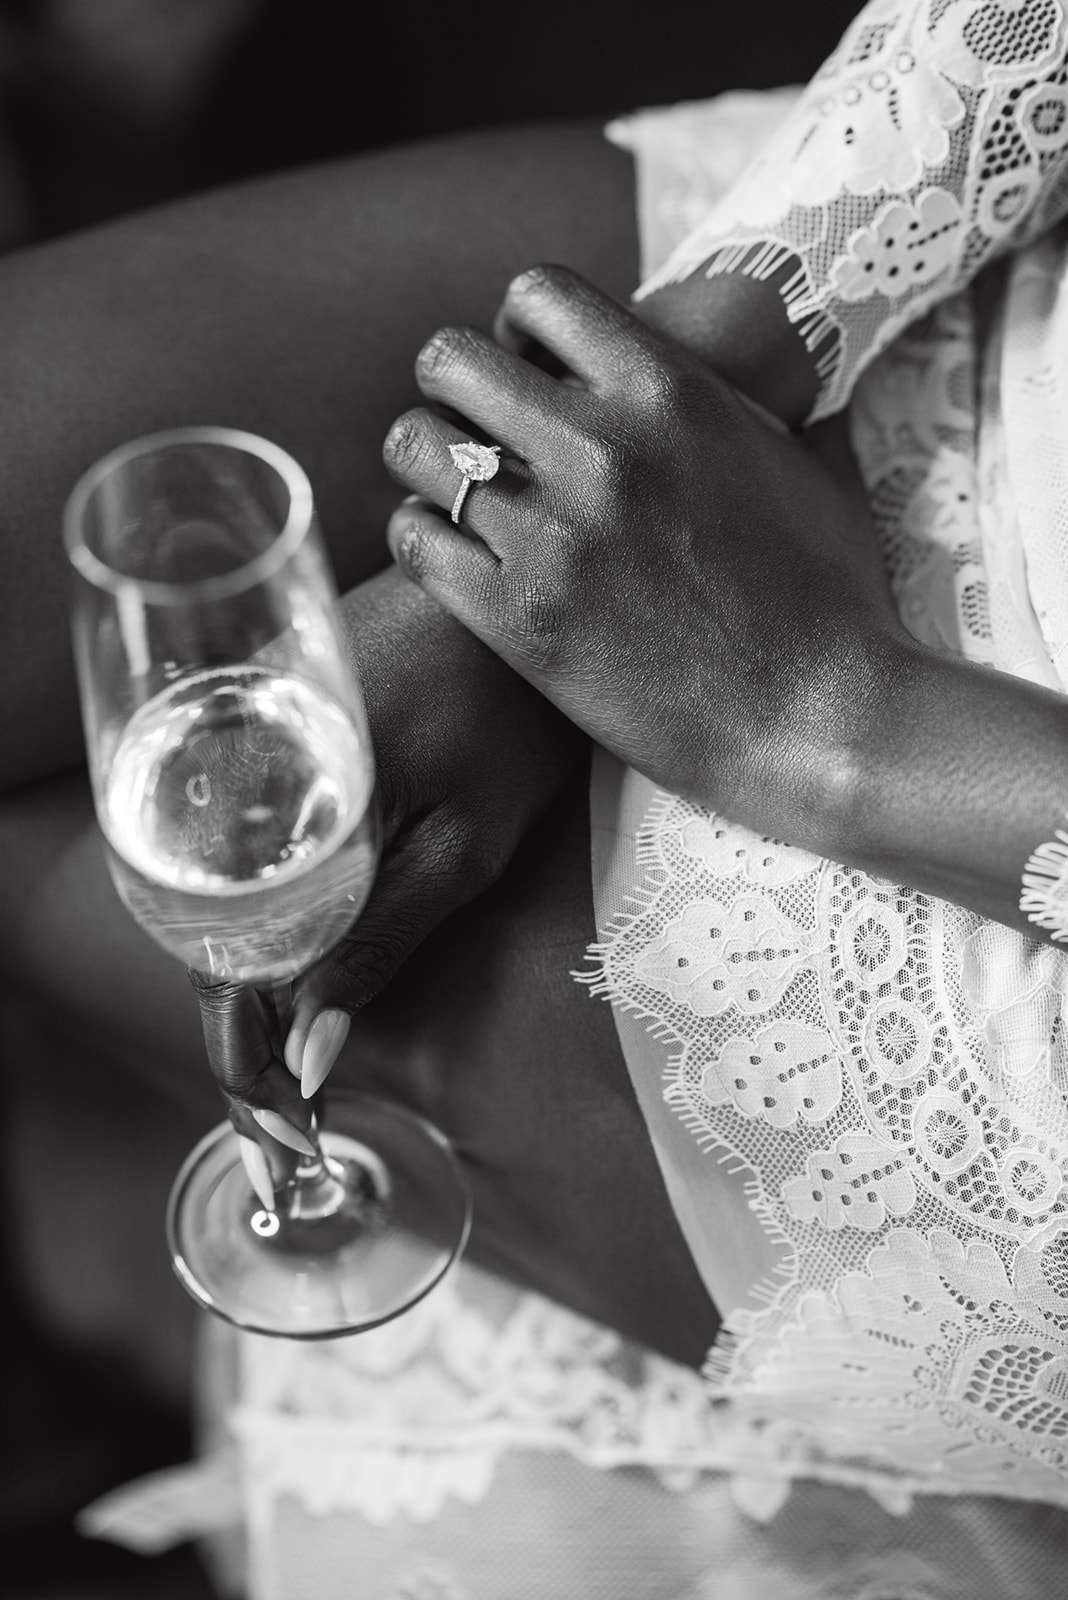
<point x="322" y="1047"/>
<point x="291" y="1055"/>
<point x="258" y="1170"/>
<point x="275" y="1124"/>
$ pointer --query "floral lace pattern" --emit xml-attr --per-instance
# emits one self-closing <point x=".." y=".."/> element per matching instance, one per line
<point x="899" y="1105"/>
<point x="406" y="1418"/>
<point x="886" y="1073"/>
<point x="933" y="139"/>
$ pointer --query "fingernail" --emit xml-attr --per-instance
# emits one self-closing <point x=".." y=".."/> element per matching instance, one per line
<point x="322" y="1047"/>
<point x="259" y="1173"/>
<point x="275" y="1124"/>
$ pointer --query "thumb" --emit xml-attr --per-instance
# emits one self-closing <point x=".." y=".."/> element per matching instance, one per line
<point x="421" y="882"/>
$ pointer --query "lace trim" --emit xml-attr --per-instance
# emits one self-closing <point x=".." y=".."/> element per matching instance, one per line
<point x="1044" y="897"/>
<point x="765" y="261"/>
<point x="891" y="1352"/>
<point x="932" y="140"/>
<point x="885" y="1075"/>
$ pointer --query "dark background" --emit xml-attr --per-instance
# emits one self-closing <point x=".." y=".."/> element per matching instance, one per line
<point x="110" y="105"/>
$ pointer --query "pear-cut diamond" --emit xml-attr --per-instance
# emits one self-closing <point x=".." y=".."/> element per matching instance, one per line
<point x="476" y="461"/>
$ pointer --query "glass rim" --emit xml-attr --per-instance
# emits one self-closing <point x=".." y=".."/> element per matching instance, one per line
<point x="298" y="524"/>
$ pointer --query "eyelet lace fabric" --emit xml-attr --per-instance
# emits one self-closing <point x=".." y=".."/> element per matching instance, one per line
<point x="493" y="1446"/>
<point x="884" y="1075"/>
<point x="405" y="1419"/>
<point x="931" y="141"/>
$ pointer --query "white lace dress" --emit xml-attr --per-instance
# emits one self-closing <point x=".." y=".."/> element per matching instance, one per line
<point x="882" y="1076"/>
<point x="858" y="1094"/>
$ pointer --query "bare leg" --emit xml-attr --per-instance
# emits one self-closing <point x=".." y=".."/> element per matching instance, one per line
<point x="293" y="307"/>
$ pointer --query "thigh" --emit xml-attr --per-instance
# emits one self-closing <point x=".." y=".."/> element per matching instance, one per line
<point x="484" y="1030"/>
<point x="293" y="307"/>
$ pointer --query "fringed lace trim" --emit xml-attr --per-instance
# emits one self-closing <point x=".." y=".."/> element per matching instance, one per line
<point x="764" y="260"/>
<point x="1044" y="895"/>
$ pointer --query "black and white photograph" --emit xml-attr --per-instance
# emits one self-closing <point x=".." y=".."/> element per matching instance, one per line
<point x="534" y="800"/>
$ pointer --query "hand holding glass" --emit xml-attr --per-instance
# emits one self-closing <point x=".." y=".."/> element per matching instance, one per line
<point x="234" y="783"/>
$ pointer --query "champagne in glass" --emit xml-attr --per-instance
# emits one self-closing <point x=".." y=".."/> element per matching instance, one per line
<point x="233" y="777"/>
<point x="238" y="812"/>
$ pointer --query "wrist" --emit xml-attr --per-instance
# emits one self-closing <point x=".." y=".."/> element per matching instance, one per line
<point x="850" y="718"/>
<point x="963" y="771"/>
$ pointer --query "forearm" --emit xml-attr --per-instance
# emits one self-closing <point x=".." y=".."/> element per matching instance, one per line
<point x="961" y="773"/>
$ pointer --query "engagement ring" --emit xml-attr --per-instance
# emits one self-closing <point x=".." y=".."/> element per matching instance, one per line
<point x="477" y="463"/>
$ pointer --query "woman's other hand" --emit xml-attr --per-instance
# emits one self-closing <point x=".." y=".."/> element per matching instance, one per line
<point x="467" y="757"/>
<point x="689" y="585"/>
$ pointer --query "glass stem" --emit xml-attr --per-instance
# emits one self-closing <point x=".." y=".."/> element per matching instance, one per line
<point x="312" y="1169"/>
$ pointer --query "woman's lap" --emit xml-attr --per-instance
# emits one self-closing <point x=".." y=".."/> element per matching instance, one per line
<point x="484" y="1030"/>
<point x="295" y="307"/>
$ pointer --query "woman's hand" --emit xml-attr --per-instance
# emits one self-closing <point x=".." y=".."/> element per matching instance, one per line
<point x="691" y="587"/>
<point x="468" y="756"/>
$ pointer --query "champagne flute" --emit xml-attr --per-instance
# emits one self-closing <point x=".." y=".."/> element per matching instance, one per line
<point x="233" y="779"/>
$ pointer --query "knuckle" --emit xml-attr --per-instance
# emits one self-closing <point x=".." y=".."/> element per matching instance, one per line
<point x="444" y="352"/>
<point x="536" y="620"/>
<point x="656" y="386"/>
<point x="238" y="1078"/>
<point x="606" y="465"/>
<point x="604" y="457"/>
<point x="477" y="861"/>
<point x="217" y="998"/>
<point x="563" y="533"/>
<point x="368" y="965"/>
<point x="361" y="967"/>
<point x="462" y="854"/>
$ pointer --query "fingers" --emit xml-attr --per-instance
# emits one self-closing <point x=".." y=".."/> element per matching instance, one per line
<point x="416" y="453"/>
<point x="548" y="424"/>
<point x="589" y="333"/>
<point x="236" y="1033"/>
<point x="258" y="1170"/>
<point x="458" y="572"/>
<point x="520" y="344"/>
<point x="262" y="1101"/>
<point x="315" y="1040"/>
<point x="424" y="879"/>
<point x="514" y="403"/>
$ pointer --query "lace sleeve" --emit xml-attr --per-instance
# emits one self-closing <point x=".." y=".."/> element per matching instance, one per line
<point x="933" y="139"/>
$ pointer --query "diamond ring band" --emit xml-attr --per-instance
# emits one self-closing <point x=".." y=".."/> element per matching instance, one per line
<point x="476" y="463"/>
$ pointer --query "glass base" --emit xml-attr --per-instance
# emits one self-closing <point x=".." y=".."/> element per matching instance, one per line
<point x="373" y="1235"/>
